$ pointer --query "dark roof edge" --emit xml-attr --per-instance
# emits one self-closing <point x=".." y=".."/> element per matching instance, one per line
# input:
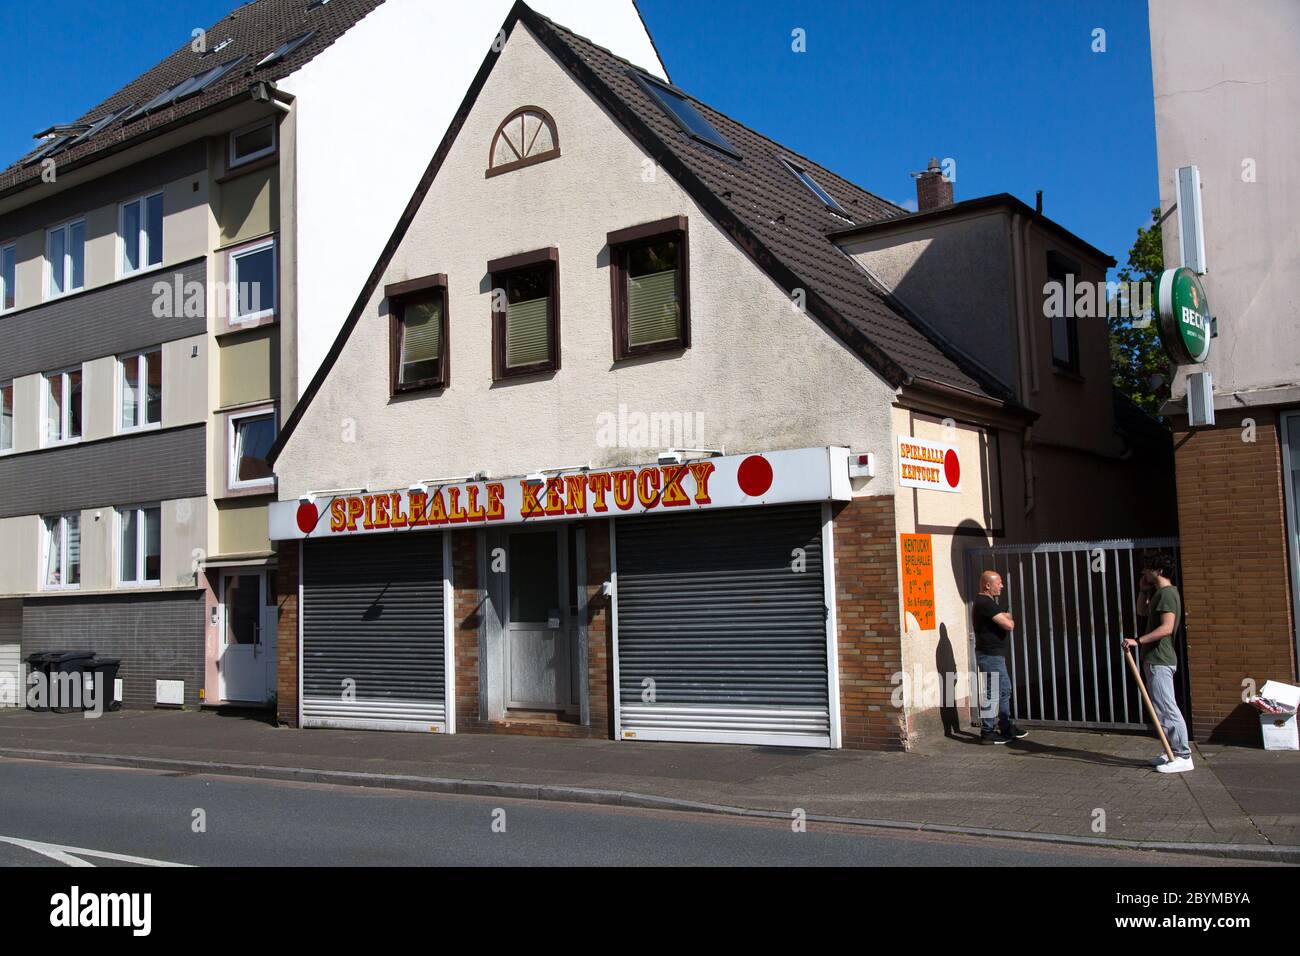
<point x="139" y="140"/>
<point x="654" y="46"/>
<point x="763" y="257"/>
<point x="395" y="240"/>
<point x="972" y="205"/>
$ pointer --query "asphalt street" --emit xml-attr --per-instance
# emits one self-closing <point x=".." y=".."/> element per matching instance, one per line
<point x="65" y="814"/>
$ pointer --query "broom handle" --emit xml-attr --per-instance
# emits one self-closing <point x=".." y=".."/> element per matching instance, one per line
<point x="1151" y="708"/>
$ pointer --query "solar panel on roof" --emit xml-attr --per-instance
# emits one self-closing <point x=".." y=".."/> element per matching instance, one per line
<point x="99" y="126"/>
<point x="53" y="146"/>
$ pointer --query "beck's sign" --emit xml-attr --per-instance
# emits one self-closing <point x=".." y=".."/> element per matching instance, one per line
<point x="928" y="464"/>
<point x="1184" y="316"/>
<point x="779" y="477"/>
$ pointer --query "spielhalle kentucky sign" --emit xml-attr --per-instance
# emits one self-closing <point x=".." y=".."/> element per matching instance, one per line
<point x="737" y="481"/>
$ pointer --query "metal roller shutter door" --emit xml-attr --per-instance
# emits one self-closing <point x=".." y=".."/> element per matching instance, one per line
<point x="373" y="614"/>
<point x="712" y="610"/>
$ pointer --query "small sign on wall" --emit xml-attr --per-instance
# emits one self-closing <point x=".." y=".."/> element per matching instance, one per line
<point x="928" y="464"/>
<point x="917" y="551"/>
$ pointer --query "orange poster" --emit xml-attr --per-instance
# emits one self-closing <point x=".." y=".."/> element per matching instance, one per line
<point x="918" y="578"/>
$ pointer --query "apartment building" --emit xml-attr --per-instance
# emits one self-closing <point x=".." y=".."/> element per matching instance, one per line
<point x="172" y="265"/>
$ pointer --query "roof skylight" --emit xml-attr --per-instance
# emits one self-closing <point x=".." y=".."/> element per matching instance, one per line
<point x="285" y="48"/>
<point x="806" y="178"/>
<point x="684" y="113"/>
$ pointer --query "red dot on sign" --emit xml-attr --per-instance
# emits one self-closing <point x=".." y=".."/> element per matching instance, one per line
<point x="307" y="517"/>
<point x="951" y="468"/>
<point x="755" y="475"/>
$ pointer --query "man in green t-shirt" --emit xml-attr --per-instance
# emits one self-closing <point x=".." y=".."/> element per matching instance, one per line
<point x="1159" y="600"/>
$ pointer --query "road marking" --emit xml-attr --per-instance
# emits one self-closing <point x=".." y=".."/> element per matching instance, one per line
<point x="68" y="855"/>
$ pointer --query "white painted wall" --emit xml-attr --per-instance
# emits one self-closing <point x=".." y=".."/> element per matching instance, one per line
<point x="759" y="374"/>
<point x="371" y="111"/>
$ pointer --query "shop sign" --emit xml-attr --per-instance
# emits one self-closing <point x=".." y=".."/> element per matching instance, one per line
<point x="917" y="551"/>
<point x="1184" y="316"/>
<point x="780" y="477"/>
<point x="928" y="464"/>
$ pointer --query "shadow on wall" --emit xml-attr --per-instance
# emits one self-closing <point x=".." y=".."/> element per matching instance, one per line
<point x="968" y="534"/>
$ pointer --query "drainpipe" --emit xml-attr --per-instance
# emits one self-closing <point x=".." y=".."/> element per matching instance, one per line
<point x="1023" y="299"/>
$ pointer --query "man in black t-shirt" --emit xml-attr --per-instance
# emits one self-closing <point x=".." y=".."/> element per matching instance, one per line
<point x="993" y="627"/>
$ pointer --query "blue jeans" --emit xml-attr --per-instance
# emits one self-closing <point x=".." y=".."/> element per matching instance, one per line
<point x="993" y="667"/>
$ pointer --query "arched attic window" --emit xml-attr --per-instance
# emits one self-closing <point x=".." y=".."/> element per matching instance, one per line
<point x="526" y="137"/>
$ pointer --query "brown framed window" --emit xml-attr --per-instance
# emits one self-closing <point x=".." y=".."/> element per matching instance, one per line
<point x="1065" y="327"/>
<point x="650" y="287"/>
<point x="525" y="313"/>
<point x="419" y="344"/>
<point x="525" y="138"/>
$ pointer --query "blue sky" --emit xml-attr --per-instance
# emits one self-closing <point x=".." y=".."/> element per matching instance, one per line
<point x="1009" y="89"/>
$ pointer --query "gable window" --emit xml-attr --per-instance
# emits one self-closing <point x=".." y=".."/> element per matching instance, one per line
<point x="252" y="287"/>
<point x="8" y="278"/>
<point x="526" y="137"/>
<point x="139" y="545"/>
<point x="249" y="437"/>
<point x="525" y="313"/>
<point x="1065" y="327"/>
<point x="141" y="231"/>
<point x="418" y="334"/>
<point x="649" y="276"/>
<point x="7" y="417"/>
<point x="683" y="112"/>
<point x="140" y="390"/>
<point x="65" y="258"/>
<point x="62" y="406"/>
<point x="252" y="142"/>
<point x="61" y="551"/>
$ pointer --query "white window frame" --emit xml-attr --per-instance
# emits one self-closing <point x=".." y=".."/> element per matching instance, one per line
<point x="139" y="581"/>
<point x="232" y="462"/>
<point x="46" y="542"/>
<point x="66" y="270"/>
<point x="13" y="436"/>
<point x="65" y="384"/>
<point x="142" y="368"/>
<point x="141" y="240"/>
<point x="4" y="289"/>
<point x="264" y="316"/>
<point x="234" y="162"/>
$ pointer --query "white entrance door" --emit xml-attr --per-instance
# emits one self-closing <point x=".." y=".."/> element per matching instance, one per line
<point x="248" y="626"/>
<point x="537" y="646"/>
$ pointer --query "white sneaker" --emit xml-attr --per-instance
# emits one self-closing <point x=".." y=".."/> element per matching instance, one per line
<point x="1159" y="759"/>
<point x="1177" y="765"/>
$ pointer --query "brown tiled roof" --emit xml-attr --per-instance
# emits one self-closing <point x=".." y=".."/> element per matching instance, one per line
<point x="254" y="30"/>
<point x="788" y="222"/>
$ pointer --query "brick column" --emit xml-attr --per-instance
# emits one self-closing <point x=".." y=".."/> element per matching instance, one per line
<point x="1236" y="588"/>
<point x="600" y="688"/>
<point x="867" y="623"/>
<point x="286" y="590"/>
<point x="466" y="619"/>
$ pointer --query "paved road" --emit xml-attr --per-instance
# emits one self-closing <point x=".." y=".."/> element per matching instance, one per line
<point x="64" y="814"/>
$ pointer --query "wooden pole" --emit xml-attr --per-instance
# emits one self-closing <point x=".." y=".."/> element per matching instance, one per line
<point x="1151" y="708"/>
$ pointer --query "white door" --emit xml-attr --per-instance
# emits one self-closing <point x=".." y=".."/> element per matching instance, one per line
<point x="248" y="626"/>
<point x="537" y="646"/>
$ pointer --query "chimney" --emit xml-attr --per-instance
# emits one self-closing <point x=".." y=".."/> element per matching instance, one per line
<point x="932" y="190"/>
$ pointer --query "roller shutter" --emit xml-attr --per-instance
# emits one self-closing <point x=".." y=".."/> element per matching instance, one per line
<point x="723" y="617"/>
<point x="372" y="611"/>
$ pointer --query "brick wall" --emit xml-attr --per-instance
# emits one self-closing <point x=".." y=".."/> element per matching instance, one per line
<point x="870" y="649"/>
<point x="600" y="671"/>
<point x="1232" y="520"/>
<point x="156" y="636"/>
<point x="466" y="618"/>
<point x="286" y="589"/>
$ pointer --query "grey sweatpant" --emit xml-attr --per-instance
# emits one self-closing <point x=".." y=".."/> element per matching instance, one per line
<point x="1160" y="685"/>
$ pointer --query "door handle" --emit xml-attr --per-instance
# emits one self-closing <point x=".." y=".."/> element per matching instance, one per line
<point x="257" y="640"/>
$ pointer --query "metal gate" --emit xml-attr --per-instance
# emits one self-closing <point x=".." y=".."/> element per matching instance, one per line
<point x="1073" y="603"/>
<point x="374" y="633"/>
<point x="721" y="627"/>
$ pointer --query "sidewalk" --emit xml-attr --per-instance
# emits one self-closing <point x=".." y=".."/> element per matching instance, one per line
<point x="1237" y="802"/>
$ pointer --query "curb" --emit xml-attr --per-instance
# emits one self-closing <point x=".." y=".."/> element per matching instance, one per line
<point x="1259" y="853"/>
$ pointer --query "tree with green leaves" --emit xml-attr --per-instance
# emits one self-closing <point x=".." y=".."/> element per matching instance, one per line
<point x="1138" y="364"/>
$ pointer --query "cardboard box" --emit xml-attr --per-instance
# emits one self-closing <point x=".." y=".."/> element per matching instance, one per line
<point x="1280" y="731"/>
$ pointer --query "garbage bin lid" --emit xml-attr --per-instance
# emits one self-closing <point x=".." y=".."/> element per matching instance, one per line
<point x="58" y="657"/>
<point x="105" y="661"/>
<point x="40" y="657"/>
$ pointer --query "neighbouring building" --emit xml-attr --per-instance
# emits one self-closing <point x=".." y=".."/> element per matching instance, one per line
<point x="1227" y="91"/>
<point x="645" y="426"/>
<point x="172" y="265"/>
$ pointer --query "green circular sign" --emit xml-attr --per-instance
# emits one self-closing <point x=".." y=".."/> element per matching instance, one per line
<point x="1184" y="316"/>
